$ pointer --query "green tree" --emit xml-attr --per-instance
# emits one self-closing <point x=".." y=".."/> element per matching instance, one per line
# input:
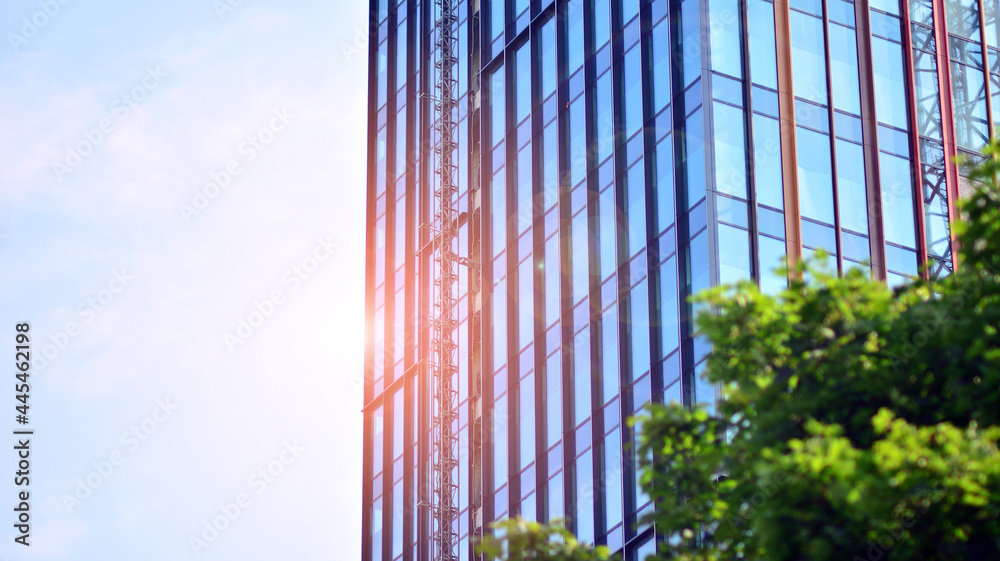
<point x="858" y="423"/>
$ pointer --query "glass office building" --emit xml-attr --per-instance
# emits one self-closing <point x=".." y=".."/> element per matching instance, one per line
<point x="615" y="157"/>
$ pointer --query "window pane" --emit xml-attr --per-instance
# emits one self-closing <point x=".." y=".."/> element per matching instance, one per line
<point x="668" y="313"/>
<point x="548" y="64"/>
<point x="525" y="303"/>
<point x="897" y="200"/>
<point x="500" y="444"/>
<point x="609" y="355"/>
<point x="613" y="479"/>
<point x="378" y="422"/>
<point x="638" y="330"/>
<point x="962" y="17"/>
<point x="767" y="161"/>
<point x="574" y="35"/>
<point x="577" y="141"/>
<point x="581" y="377"/>
<point x="499" y="204"/>
<point x="497" y="18"/>
<point x="522" y="173"/>
<point x="890" y="89"/>
<point x="632" y="97"/>
<point x="526" y="420"/>
<point x="581" y="272"/>
<point x="663" y="181"/>
<point x="814" y="171"/>
<point x="659" y="53"/>
<point x="968" y="91"/>
<point x="499" y="324"/>
<point x="552" y="277"/>
<point x="693" y="159"/>
<point x="844" y="69"/>
<point x="734" y="254"/>
<point x="555" y="498"/>
<point x="584" y="519"/>
<point x="550" y="164"/>
<point x="763" y="60"/>
<point x="926" y="85"/>
<point x="602" y="22"/>
<point x="398" y="416"/>
<point x="401" y="58"/>
<point x="851" y="187"/>
<point x="497" y="122"/>
<point x="772" y="255"/>
<point x="553" y="400"/>
<point x="397" y="518"/>
<point x="630" y="9"/>
<point x="808" y="57"/>
<point x="635" y="207"/>
<point x="725" y="37"/>
<point x="690" y="42"/>
<point x="604" y="117"/>
<point x="730" y="152"/>
<point x="522" y="82"/>
<point x="608" y="227"/>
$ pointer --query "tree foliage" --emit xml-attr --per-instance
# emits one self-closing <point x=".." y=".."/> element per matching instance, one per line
<point x="518" y="539"/>
<point x="858" y="423"/>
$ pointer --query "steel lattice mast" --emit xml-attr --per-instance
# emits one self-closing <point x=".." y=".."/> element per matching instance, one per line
<point x="446" y="263"/>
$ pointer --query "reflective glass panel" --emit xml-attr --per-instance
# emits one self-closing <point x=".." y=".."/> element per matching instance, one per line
<point x="638" y="330"/>
<point x="660" y="55"/>
<point x="526" y="420"/>
<point x="730" y="151"/>
<point x="844" y="68"/>
<point x="897" y="200"/>
<point x="851" y="187"/>
<point x="724" y="32"/>
<point x="767" y="161"/>
<point x="808" y="57"/>
<point x="734" y="254"/>
<point x="763" y="61"/>
<point x="772" y="255"/>
<point x="890" y="85"/>
<point x="815" y="184"/>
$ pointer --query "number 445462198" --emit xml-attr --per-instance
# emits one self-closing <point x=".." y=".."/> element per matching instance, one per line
<point x="22" y="359"/>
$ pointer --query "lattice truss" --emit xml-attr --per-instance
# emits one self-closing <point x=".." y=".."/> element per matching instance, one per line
<point x="444" y="355"/>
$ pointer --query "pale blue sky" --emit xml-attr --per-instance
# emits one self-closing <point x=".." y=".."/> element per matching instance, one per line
<point x="134" y="271"/>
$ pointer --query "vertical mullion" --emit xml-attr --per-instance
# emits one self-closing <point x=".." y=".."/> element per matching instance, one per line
<point x="789" y="151"/>
<point x="748" y="142"/>
<point x="947" y="117"/>
<point x="869" y="126"/>
<point x="833" y="138"/>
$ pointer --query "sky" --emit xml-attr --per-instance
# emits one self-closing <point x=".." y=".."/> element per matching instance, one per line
<point x="182" y="191"/>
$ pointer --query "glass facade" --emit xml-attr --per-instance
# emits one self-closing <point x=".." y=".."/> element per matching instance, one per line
<point x="616" y="157"/>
